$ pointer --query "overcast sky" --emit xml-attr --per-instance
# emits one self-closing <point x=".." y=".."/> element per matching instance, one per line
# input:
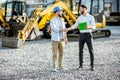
<point x="1" y="1"/>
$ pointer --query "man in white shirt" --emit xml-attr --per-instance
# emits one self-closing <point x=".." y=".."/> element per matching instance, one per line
<point x="85" y="35"/>
<point x="58" y="36"/>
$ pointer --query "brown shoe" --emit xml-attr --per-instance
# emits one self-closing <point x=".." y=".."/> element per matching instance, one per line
<point x="60" y="68"/>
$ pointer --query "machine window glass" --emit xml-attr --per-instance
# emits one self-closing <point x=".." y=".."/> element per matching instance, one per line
<point x="101" y="7"/>
<point x="98" y="7"/>
<point x="17" y="8"/>
<point x="98" y="10"/>
<point x="95" y="7"/>
<point x="23" y="7"/>
<point x="9" y="9"/>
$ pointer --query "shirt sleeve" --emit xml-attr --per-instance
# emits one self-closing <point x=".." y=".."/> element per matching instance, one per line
<point x="76" y="24"/>
<point x="53" y="26"/>
<point x="92" y="24"/>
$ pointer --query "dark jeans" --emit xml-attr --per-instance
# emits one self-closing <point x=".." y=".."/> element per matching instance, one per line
<point x="85" y="38"/>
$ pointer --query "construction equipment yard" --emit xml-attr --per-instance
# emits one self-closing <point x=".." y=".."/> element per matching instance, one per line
<point x="33" y="61"/>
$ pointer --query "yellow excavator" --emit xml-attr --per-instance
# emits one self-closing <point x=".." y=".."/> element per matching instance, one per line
<point x="39" y="20"/>
<point x="95" y="7"/>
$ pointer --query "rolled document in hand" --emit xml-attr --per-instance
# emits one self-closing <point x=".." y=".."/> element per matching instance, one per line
<point x="81" y="26"/>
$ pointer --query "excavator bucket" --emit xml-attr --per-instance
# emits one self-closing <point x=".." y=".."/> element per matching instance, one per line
<point x="12" y="42"/>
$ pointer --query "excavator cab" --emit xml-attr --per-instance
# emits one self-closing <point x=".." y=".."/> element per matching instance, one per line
<point x="14" y="7"/>
<point x="14" y="15"/>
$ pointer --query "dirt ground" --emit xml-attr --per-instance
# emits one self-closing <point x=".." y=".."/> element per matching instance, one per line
<point x="33" y="61"/>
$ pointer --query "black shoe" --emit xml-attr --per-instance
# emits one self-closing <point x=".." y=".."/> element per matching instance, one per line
<point x="92" y="69"/>
<point x="80" y="67"/>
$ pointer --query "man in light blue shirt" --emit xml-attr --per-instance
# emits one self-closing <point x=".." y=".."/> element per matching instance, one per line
<point x="85" y="35"/>
<point x="58" y="36"/>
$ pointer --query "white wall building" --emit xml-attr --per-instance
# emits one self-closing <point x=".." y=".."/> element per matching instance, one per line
<point x="114" y="5"/>
<point x="111" y="6"/>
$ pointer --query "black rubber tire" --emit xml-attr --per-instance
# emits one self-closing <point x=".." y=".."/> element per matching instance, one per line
<point x="46" y="33"/>
<point x="108" y="33"/>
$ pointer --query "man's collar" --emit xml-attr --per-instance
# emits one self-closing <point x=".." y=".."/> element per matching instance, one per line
<point x="85" y="15"/>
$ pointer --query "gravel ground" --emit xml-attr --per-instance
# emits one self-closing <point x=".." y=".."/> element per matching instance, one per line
<point x="33" y="61"/>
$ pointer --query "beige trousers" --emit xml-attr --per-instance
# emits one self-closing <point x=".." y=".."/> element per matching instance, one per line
<point x="57" y="47"/>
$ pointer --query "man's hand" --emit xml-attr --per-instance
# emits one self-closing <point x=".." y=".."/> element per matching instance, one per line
<point x="66" y="41"/>
<point x="87" y="27"/>
<point x="64" y="30"/>
<point x="61" y="30"/>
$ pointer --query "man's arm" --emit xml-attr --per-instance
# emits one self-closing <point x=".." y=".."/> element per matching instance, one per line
<point x="74" y="26"/>
<point x="92" y="24"/>
<point x="65" y="38"/>
<point x="62" y="30"/>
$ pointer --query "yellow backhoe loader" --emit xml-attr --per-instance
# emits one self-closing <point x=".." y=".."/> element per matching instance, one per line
<point x="18" y="24"/>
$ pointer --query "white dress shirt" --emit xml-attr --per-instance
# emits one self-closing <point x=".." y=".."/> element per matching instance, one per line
<point x="56" y="24"/>
<point x="90" y="22"/>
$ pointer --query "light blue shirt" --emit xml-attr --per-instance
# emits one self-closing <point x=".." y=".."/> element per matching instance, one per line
<point x="56" y="24"/>
<point x="90" y="22"/>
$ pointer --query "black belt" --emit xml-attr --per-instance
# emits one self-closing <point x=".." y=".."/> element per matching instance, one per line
<point x="85" y="33"/>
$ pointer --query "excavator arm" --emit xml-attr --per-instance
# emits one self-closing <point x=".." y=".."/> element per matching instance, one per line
<point x="3" y="24"/>
<point x="24" y="33"/>
<point x="45" y="15"/>
<point x="48" y="15"/>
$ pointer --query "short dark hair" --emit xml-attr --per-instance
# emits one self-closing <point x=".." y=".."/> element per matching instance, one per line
<point x="83" y="6"/>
